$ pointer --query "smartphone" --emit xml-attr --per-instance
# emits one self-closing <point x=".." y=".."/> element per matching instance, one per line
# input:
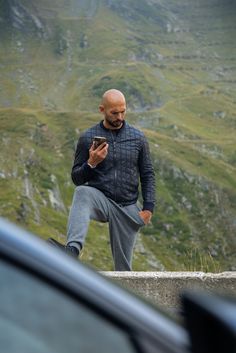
<point x="98" y="140"/>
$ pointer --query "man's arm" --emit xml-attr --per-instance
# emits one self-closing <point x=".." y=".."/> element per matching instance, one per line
<point x="86" y="161"/>
<point x="147" y="179"/>
<point x="81" y="172"/>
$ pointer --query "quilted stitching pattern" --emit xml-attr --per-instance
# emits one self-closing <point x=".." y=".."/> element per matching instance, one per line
<point x="118" y="175"/>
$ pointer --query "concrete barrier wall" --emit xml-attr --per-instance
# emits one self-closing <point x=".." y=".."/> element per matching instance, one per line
<point x="164" y="288"/>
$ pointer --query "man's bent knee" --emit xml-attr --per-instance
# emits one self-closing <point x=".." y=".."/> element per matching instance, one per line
<point x="81" y="189"/>
<point x="84" y="192"/>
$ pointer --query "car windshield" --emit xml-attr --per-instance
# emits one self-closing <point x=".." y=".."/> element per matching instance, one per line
<point x="36" y="317"/>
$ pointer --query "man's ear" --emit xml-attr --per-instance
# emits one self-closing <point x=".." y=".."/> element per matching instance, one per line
<point x="101" y="108"/>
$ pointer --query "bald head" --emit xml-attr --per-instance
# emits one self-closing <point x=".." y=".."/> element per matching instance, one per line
<point x="113" y="107"/>
<point x="111" y="97"/>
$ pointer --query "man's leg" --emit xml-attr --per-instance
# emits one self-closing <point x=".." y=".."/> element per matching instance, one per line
<point x="88" y="203"/>
<point x="124" y="223"/>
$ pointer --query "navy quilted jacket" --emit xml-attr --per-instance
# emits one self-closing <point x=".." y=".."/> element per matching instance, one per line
<point x="117" y="176"/>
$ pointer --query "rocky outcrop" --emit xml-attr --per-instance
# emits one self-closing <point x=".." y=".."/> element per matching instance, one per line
<point x="23" y="18"/>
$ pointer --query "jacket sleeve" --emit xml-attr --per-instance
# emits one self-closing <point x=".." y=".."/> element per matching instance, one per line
<point x="81" y="171"/>
<point x="147" y="176"/>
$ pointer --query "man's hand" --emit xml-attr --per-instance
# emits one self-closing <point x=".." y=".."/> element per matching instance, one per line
<point x="146" y="216"/>
<point x="97" y="155"/>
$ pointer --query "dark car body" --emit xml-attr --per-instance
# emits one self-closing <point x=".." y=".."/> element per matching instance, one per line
<point x="50" y="302"/>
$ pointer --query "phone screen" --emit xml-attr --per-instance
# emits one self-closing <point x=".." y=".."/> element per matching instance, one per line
<point x="98" y="140"/>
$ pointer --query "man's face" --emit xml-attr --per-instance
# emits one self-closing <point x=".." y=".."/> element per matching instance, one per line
<point x="114" y="115"/>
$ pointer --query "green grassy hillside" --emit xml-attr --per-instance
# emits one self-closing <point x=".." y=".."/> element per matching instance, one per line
<point x="176" y="64"/>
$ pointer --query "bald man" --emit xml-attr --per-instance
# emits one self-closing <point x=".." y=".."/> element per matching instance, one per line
<point x="107" y="179"/>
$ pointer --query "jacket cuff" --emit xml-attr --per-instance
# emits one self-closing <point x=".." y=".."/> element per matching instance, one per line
<point x="148" y="206"/>
<point x="82" y="174"/>
<point x="87" y="170"/>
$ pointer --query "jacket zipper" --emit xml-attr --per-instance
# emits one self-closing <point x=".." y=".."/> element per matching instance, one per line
<point x="115" y="170"/>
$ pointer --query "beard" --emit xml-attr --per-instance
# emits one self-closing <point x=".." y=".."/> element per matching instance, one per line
<point x="114" y="123"/>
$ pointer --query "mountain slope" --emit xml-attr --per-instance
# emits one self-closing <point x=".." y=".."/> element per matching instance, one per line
<point x="176" y="64"/>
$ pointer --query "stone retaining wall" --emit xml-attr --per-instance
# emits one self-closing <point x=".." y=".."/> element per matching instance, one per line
<point x="164" y="288"/>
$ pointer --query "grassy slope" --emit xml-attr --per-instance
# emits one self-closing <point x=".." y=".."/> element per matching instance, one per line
<point x="178" y="75"/>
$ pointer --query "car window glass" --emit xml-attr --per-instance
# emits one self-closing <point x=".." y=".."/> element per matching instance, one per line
<point x="36" y="317"/>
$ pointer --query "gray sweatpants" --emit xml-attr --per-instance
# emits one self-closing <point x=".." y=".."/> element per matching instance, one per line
<point x="124" y="223"/>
